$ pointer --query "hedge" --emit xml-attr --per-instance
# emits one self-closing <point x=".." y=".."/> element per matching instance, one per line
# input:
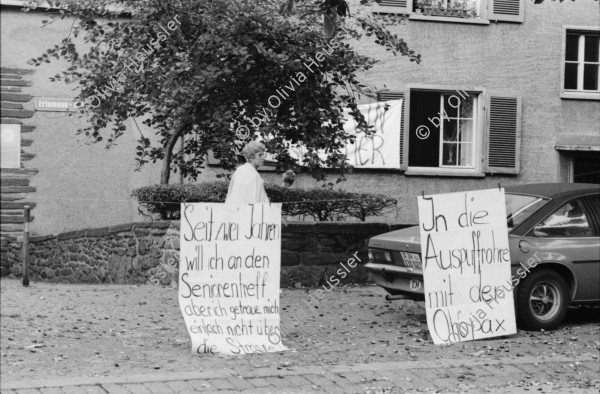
<point x="322" y="204"/>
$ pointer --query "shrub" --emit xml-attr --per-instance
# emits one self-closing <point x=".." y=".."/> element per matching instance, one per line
<point x="321" y="204"/>
<point x="368" y="204"/>
<point x="165" y="200"/>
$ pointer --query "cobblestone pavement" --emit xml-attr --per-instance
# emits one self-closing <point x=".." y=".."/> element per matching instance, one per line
<point x="59" y="338"/>
<point x="528" y="374"/>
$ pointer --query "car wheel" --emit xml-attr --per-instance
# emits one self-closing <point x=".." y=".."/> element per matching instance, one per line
<point x="542" y="300"/>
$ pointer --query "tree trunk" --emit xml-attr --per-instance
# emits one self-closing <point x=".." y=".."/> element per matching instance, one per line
<point x="166" y="169"/>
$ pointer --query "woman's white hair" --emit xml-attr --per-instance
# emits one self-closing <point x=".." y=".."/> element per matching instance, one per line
<point x="252" y="148"/>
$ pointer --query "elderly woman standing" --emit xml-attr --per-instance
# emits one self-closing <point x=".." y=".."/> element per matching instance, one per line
<point x="246" y="186"/>
<point x="288" y="178"/>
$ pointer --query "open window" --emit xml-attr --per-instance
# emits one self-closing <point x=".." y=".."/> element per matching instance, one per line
<point x="458" y="132"/>
<point x="445" y="130"/>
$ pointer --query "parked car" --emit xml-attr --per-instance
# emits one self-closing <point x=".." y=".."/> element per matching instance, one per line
<point x="557" y="222"/>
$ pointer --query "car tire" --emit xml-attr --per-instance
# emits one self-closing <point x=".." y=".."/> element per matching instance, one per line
<point x="542" y="301"/>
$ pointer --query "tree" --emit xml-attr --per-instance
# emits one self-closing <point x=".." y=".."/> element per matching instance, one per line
<point x="203" y="69"/>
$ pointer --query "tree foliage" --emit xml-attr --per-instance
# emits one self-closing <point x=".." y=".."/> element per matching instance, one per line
<point x="202" y="69"/>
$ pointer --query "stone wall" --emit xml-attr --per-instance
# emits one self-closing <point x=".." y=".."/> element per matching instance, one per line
<point x="149" y="252"/>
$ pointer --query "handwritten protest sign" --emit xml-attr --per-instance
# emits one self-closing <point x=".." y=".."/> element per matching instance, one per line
<point x="378" y="150"/>
<point x="466" y="266"/>
<point x="229" y="277"/>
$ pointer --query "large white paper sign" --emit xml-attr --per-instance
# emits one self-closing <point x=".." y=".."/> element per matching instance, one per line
<point x="466" y="266"/>
<point x="229" y="268"/>
<point x="381" y="149"/>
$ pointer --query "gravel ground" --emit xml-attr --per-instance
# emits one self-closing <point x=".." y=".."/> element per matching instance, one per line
<point x="61" y="330"/>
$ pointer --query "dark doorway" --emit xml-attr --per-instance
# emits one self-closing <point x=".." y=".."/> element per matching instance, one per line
<point x="586" y="167"/>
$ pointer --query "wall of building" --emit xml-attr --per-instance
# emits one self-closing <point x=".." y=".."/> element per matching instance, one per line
<point x="522" y="59"/>
<point x="506" y="58"/>
<point x="78" y="184"/>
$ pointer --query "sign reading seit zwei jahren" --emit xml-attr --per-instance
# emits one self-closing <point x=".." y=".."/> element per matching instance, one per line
<point x="229" y="267"/>
<point x="466" y="263"/>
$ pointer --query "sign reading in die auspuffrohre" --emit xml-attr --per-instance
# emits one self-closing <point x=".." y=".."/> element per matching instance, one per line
<point x="230" y="260"/>
<point x="466" y="263"/>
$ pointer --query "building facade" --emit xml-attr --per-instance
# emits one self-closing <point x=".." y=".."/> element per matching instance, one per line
<point x="507" y="93"/>
<point x="70" y="183"/>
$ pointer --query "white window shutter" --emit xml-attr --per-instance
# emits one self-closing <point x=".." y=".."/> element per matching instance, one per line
<point x="506" y="10"/>
<point x="387" y="95"/>
<point x="503" y="126"/>
<point x="394" y="7"/>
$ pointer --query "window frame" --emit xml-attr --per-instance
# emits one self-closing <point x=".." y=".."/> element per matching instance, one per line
<point x="575" y="94"/>
<point x="468" y="21"/>
<point x="473" y="143"/>
<point x="480" y="135"/>
<point x="482" y="20"/>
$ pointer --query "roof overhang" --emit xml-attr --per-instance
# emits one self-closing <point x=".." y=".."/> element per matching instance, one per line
<point x="578" y="143"/>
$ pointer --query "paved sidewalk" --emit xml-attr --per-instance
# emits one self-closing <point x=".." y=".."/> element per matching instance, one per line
<point x="575" y="375"/>
<point x="59" y="338"/>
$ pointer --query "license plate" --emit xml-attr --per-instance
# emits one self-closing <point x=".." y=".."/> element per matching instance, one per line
<point x="415" y="284"/>
<point x="411" y="260"/>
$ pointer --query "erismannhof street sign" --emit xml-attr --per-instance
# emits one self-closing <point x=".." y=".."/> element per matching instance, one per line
<point x="54" y="104"/>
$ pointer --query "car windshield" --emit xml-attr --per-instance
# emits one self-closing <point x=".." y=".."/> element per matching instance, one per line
<point x="520" y="207"/>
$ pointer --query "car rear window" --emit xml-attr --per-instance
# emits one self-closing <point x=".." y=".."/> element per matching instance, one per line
<point x="520" y="207"/>
<point x="569" y="220"/>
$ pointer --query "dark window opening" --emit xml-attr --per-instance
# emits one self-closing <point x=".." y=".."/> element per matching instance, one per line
<point x="586" y="167"/>
<point x="442" y="129"/>
<point x="424" y="138"/>
<point x="582" y="61"/>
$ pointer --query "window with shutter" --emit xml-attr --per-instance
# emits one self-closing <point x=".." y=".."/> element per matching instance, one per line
<point x="456" y="11"/>
<point x="445" y="132"/>
<point x="504" y="135"/>
<point x="386" y="95"/>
